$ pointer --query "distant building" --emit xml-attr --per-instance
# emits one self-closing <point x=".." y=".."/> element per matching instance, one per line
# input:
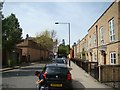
<point x="31" y="51"/>
<point x="75" y="50"/>
<point x="71" y="53"/>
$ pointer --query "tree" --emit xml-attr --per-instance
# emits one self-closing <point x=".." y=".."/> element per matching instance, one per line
<point x="46" y="39"/>
<point x="63" y="49"/>
<point x="11" y="35"/>
<point x="11" y="32"/>
<point x="1" y="16"/>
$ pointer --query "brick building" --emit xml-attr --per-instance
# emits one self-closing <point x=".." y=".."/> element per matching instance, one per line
<point x="15" y="56"/>
<point x="102" y="43"/>
<point x="31" y="51"/>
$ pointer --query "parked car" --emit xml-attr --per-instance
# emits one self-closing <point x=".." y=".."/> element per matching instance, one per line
<point x="57" y="76"/>
<point x="60" y="60"/>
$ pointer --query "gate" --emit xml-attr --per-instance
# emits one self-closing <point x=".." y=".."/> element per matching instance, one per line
<point x="94" y="70"/>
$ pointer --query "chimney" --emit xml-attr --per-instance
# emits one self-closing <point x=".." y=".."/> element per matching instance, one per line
<point x="27" y="36"/>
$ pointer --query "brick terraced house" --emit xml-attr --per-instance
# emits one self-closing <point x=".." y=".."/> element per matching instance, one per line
<point x="102" y="43"/>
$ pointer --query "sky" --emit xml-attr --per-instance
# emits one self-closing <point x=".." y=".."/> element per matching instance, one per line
<point x="35" y="17"/>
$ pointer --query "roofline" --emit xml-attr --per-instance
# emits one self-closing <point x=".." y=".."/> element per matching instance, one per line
<point x="84" y="37"/>
<point x="101" y="15"/>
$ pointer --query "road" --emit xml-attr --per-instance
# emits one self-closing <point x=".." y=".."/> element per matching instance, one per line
<point x="24" y="77"/>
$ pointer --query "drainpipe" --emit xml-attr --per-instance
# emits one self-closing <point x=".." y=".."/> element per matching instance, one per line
<point x="97" y="41"/>
<point x="99" y="76"/>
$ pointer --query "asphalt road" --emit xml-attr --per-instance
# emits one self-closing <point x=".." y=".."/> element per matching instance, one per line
<point x="24" y="77"/>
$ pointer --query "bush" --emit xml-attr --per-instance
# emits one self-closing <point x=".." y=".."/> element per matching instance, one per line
<point x="10" y="63"/>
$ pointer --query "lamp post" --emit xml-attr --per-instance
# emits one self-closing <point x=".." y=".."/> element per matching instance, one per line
<point x="69" y="35"/>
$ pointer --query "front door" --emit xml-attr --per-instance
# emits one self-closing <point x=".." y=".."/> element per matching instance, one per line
<point x="104" y="55"/>
<point x="91" y="56"/>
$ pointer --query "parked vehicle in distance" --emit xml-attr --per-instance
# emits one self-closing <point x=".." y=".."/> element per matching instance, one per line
<point x="57" y="76"/>
<point x="60" y="60"/>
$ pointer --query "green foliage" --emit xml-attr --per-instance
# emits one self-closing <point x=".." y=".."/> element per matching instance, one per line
<point x="11" y="35"/>
<point x="63" y="50"/>
<point x="46" y="39"/>
<point x="1" y="16"/>
<point x="0" y="35"/>
<point x="67" y="49"/>
<point x="11" y="32"/>
<point x="10" y="63"/>
<point x="83" y="54"/>
<point x="1" y="5"/>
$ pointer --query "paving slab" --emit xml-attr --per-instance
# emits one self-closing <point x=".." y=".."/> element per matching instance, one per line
<point x="84" y="78"/>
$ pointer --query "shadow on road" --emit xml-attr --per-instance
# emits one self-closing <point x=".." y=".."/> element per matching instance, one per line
<point x="32" y="68"/>
<point x="77" y="85"/>
<point x="27" y="71"/>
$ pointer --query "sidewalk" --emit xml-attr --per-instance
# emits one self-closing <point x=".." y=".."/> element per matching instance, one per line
<point x="16" y="67"/>
<point x="23" y="65"/>
<point x="9" y="68"/>
<point x="84" y="78"/>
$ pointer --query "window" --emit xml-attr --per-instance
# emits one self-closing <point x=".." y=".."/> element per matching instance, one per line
<point x="101" y="36"/>
<point x="90" y="42"/>
<point x="112" y="31"/>
<point x="95" y="57"/>
<point x="95" y="44"/>
<point x="52" y="69"/>
<point x="113" y="58"/>
<point x="86" y="45"/>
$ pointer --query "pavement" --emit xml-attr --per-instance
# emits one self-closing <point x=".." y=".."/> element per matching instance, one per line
<point x="17" y="67"/>
<point x="9" y="68"/>
<point x="84" y="78"/>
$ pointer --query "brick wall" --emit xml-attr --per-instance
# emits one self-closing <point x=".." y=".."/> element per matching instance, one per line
<point x="32" y="52"/>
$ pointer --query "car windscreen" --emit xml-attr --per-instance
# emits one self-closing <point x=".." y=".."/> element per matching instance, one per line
<point x="59" y="61"/>
<point x="61" y="70"/>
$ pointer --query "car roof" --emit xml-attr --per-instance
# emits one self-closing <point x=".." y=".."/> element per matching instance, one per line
<point x="58" y="58"/>
<point x="56" y="65"/>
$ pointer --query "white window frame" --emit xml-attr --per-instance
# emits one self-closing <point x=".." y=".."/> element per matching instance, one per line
<point x="112" y="58"/>
<point x="112" y="30"/>
<point x="95" y="57"/>
<point x="95" y="40"/>
<point x="101" y="36"/>
<point x="90" y="42"/>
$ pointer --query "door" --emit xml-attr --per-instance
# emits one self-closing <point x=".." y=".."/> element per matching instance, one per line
<point x="104" y="55"/>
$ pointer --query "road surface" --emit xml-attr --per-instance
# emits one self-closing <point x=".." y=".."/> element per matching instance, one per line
<point x="25" y="78"/>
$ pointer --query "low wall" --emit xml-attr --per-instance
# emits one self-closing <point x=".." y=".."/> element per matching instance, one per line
<point x="110" y="73"/>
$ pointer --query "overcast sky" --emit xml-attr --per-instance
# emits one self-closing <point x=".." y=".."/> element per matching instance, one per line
<point x="35" y="17"/>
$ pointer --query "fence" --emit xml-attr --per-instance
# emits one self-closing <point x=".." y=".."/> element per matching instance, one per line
<point x="110" y="73"/>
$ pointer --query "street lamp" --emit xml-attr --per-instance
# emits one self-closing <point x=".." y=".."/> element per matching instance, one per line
<point x="69" y="34"/>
